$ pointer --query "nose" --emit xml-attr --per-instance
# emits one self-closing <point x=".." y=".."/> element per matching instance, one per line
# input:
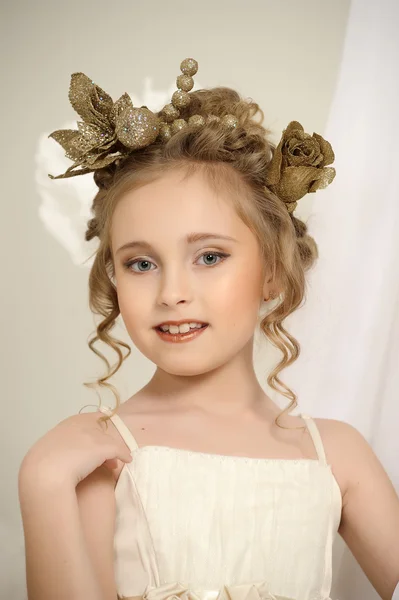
<point x="174" y="287"/>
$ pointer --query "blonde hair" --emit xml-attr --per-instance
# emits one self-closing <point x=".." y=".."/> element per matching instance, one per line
<point x="232" y="161"/>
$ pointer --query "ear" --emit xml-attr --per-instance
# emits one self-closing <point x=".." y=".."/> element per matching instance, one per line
<point x="271" y="289"/>
<point x="268" y="286"/>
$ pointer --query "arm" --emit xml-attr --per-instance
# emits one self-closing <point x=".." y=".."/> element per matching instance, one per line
<point x="96" y="499"/>
<point x="370" y="515"/>
<point x="59" y="561"/>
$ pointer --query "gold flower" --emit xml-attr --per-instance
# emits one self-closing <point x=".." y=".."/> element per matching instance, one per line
<point x="109" y="131"/>
<point x="299" y="165"/>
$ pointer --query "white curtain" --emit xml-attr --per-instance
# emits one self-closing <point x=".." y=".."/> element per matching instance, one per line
<point x="349" y="326"/>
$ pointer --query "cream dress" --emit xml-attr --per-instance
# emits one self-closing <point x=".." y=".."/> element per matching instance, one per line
<point x="193" y="525"/>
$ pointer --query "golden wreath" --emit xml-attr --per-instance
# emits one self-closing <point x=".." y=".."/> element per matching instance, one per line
<point x="110" y="131"/>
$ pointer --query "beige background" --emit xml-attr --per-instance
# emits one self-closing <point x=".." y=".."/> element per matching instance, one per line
<point x="283" y="54"/>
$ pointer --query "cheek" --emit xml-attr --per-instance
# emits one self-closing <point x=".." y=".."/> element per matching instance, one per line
<point x="240" y="288"/>
<point x="134" y="305"/>
<point x="239" y="312"/>
<point x="235" y="306"/>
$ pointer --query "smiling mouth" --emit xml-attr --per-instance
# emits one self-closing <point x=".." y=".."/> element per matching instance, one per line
<point x="191" y="329"/>
<point x="178" y="338"/>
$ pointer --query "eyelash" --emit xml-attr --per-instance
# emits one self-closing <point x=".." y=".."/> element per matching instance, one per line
<point x="130" y="263"/>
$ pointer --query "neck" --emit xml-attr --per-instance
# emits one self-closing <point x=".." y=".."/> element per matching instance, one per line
<point x="229" y="389"/>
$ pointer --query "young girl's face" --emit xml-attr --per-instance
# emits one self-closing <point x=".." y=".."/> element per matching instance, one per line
<point x="163" y="277"/>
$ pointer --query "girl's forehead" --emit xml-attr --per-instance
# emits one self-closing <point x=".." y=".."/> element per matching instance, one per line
<point x="170" y="201"/>
<point x="167" y="212"/>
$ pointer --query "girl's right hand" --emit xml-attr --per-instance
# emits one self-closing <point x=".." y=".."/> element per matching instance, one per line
<point x="73" y="449"/>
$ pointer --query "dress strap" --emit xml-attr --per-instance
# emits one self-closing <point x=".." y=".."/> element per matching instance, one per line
<point x="316" y="438"/>
<point x="124" y="431"/>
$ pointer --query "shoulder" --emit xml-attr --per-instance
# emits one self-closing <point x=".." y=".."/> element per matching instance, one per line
<point x="347" y="451"/>
<point x="334" y="431"/>
<point x="339" y="437"/>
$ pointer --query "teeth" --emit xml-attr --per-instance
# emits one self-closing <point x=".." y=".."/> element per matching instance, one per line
<point x="183" y="328"/>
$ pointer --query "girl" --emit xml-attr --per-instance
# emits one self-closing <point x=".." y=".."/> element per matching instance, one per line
<point x="198" y="486"/>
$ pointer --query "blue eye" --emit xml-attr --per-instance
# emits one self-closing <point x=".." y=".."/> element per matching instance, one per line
<point x="220" y="255"/>
<point x="137" y="261"/>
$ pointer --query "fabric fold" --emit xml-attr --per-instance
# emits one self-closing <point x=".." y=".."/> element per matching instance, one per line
<point x="177" y="591"/>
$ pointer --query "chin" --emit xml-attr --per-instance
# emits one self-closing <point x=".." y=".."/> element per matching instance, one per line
<point x="184" y="369"/>
<point x="190" y="366"/>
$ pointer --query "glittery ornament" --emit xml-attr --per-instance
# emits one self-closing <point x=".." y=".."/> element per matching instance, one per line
<point x="185" y="83"/>
<point x="229" y="121"/>
<point x="170" y="113"/>
<point x="110" y="131"/>
<point x="180" y="99"/>
<point x="189" y="66"/>
<point x="299" y="165"/>
<point x="137" y="128"/>
<point x="178" y="125"/>
<point x="164" y="132"/>
<point x="196" y="121"/>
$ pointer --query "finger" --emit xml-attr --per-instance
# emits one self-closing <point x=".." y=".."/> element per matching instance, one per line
<point x="111" y="463"/>
<point x="129" y="457"/>
<point x="126" y="456"/>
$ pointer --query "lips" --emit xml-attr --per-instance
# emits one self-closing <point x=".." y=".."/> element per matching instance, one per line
<point x="180" y="338"/>
<point x="191" y="329"/>
<point x="180" y="322"/>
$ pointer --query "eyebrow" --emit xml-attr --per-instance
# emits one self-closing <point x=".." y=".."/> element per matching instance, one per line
<point x="191" y="238"/>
